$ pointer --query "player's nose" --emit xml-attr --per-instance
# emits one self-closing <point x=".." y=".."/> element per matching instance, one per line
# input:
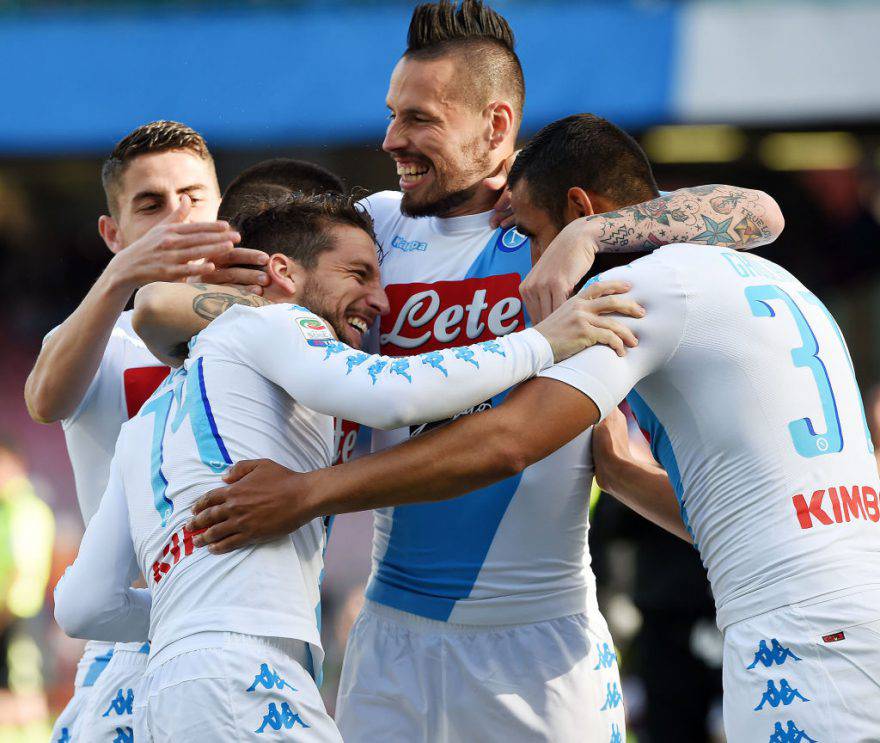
<point x="395" y="138"/>
<point x="377" y="300"/>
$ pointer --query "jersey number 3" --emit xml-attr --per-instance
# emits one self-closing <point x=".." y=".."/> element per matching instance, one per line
<point x="807" y="442"/>
<point x="193" y="404"/>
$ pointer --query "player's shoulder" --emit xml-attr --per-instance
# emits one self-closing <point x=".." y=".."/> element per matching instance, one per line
<point x="382" y="205"/>
<point x="245" y="325"/>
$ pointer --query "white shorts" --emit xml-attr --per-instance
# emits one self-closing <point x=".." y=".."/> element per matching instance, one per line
<point x="415" y="680"/>
<point x="107" y="715"/>
<point x="805" y="672"/>
<point x="231" y="688"/>
<point x="95" y="657"/>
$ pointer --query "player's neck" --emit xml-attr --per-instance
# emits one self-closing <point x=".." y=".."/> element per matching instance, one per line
<point x="483" y="200"/>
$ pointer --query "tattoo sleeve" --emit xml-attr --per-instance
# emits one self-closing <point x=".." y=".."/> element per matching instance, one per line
<point x="712" y="215"/>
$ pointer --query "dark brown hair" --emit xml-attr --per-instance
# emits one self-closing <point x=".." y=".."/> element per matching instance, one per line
<point x="296" y="224"/>
<point x="157" y="136"/>
<point x="481" y="35"/>
<point x="292" y="175"/>
<point x="586" y="151"/>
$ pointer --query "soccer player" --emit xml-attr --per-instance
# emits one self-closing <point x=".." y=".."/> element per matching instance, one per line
<point x="93" y="372"/>
<point x="502" y="574"/>
<point x="232" y="637"/>
<point x="744" y="384"/>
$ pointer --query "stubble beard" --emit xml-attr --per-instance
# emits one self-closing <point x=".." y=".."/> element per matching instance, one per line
<point x="449" y="200"/>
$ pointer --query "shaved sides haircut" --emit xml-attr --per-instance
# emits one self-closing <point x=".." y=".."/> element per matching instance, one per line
<point x="586" y="151"/>
<point x="157" y="136"/>
<point x="483" y="39"/>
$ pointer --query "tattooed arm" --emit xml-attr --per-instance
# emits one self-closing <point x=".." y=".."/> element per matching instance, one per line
<point x="167" y="315"/>
<point x="727" y="216"/>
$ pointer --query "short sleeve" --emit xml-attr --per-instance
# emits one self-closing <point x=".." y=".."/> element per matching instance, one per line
<point x="599" y="372"/>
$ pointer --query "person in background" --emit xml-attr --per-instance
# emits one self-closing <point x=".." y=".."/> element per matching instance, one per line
<point x="27" y="530"/>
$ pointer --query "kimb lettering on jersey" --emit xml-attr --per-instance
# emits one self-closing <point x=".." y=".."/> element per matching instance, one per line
<point x="845" y="504"/>
<point x="179" y="546"/>
<point x="428" y="317"/>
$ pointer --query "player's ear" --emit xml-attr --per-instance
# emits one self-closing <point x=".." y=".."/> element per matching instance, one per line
<point x="500" y="115"/>
<point x="109" y="230"/>
<point x="284" y="274"/>
<point x="577" y="204"/>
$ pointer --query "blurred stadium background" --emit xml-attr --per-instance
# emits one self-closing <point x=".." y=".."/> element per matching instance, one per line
<point x="782" y="96"/>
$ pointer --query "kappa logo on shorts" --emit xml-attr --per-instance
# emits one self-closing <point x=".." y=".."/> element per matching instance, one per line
<point x="791" y="734"/>
<point x="607" y="657"/>
<point x="613" y="697"/>
<point x="785" y="694"/>
<point x="121" y="704"/>
<point x="284" y="718"/>
<point x="268" y="678"/>
<point x="124" y="735"/>
<point x="767" y="656"/>
<point x="616" y="737"/>
<point x="65" y="736"/>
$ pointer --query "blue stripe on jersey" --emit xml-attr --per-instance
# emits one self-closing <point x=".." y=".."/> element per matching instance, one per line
<point x="210" y="415"/>
<point x="145" y="648"/>
<point x="436" y="550"/>
<point x="97" y="668"/>
<point x="661" y="448"/>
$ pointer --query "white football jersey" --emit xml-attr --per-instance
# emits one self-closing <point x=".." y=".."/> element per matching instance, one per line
<point x="127" y="376"/>
<point x="744" y="385"/>
<point x="512" y="552"/>
<point x="258" y="383"/>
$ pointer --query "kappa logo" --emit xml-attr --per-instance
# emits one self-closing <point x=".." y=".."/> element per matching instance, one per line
<point x="124" y="735"/>
<point x="512" y="240"/>
<point x="791" y="734"/>
<point x="268" y="678"/>
<point x="64" y="737"/>
<point x="607" y="657"/>
<point x="613" y="697"/>
<point x="785" y="694"/>
<point x="616" y="736"/>
<point x="428" y="317"/>
<point x="284" y="718"/>
<point x="775" y="654"/>
<point x="408" y="246"/>
<point x="121" y="704"/>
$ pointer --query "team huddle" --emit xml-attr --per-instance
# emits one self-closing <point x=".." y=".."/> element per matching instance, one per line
<point x="447" y="328"/>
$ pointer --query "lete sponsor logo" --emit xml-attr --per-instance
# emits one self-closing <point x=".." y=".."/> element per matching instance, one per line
<point x="427" y="317"/>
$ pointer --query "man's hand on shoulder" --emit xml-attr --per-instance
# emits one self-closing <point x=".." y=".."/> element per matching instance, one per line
<point x="584" y="321"/>
<point x="262" y="501"/>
